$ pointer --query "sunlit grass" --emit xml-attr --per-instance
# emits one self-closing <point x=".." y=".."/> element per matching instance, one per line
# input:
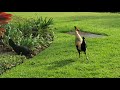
<point x="61" y="60"/>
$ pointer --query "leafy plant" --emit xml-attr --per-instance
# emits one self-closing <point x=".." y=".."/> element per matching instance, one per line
<point x="30" y="32"/>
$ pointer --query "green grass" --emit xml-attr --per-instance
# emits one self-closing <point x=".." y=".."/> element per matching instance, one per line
<point x="61" y="60"/>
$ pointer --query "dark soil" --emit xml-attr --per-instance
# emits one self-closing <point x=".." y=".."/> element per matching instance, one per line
<point x="9" y="50"/>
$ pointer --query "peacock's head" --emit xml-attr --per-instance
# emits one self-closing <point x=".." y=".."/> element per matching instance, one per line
<point x="76" y="28"/>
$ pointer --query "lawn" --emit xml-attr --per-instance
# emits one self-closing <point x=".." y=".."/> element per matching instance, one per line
<point x="61" y="59"/>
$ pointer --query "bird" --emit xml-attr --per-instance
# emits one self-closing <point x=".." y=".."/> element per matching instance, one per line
<point x="20" y="50"/>
<point x="84" y="46"/>
<point x="80" y="42"/>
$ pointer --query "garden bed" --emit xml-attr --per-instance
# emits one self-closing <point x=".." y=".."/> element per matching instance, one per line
<point x="36" y="34"/>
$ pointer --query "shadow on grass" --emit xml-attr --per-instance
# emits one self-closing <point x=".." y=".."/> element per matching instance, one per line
<point x="58" y="64"/>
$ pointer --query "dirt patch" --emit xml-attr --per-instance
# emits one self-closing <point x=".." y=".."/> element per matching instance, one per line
<point x="6" y="49"/>
<point x="10" y="51"/>
<point x="87" y="34"/>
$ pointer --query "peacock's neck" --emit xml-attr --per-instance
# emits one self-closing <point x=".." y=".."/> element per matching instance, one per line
<point x="78" y="36"/>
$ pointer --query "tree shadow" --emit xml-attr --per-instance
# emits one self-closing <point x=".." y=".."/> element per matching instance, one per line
<point x="58" y="64"/>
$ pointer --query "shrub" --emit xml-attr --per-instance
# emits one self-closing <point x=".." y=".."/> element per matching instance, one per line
<point x="30" y="32"/>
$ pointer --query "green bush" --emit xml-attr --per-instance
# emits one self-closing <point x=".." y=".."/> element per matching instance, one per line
<point x="9" y="61"/>
<point x="30" y="32"/>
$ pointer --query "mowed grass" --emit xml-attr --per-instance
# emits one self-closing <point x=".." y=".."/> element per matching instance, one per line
<point x="61" y="60"/>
